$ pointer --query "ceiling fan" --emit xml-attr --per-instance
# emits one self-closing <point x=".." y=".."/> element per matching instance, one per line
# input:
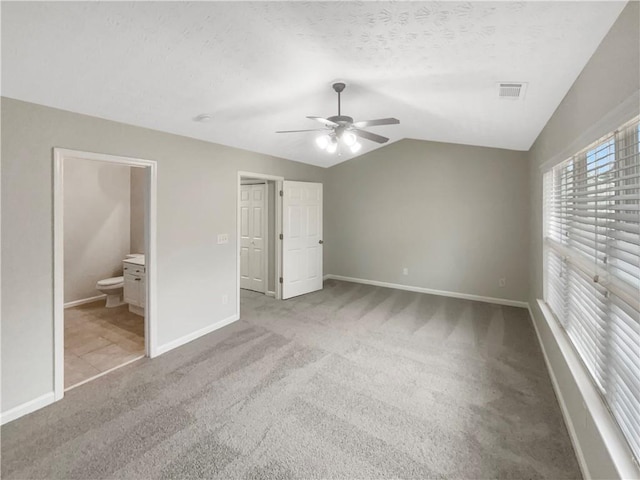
<point x="342" y="129"/>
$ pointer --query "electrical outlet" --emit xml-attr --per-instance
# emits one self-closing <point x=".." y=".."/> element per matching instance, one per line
<point x="225" y="299"/>
<point x="405" y="271"/>
<point x="502" y="282"/>
<point x="223" y="238"/>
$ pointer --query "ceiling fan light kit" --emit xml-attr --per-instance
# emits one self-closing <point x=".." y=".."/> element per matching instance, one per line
<point x="349" y="138"/>
<point x="323" y="141"/>
<point x="342" y="130"/>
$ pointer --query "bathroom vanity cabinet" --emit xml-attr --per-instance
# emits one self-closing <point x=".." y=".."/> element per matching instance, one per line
<point x="135" y="287"/>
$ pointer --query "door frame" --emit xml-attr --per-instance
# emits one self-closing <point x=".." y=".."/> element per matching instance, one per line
<point x="274" y="236"/>
<point x="150" y="318"/>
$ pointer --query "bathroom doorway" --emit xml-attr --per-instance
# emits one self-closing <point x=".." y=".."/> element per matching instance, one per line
<point x="104" y="264"/>
<point x="259" y="249"/>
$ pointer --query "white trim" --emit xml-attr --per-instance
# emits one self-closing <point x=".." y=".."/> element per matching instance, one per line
<point x="613" y="439"/>
<point x="260" y="176"/>
<point x="102" y="157"/>
<point x="58" y="274"/>
<point x="83" y="301"/>
<point x="624" y="112"/>
<point x="197" y="334"/>
<point x="252" y="182"/>
<point x="268" y="232"/>
<point x="151" y="261"/>
<point x="59" y="155"/>
<point x="276" y="236"/>
<point x="27" y="407"/>
<point x="104" y="373"/>
<point x="443" y="293"/>
<point x="278" y="206"/>
<point x="270" y="293"/>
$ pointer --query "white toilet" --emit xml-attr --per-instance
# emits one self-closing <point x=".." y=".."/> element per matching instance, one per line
<point x="113" y="287"/>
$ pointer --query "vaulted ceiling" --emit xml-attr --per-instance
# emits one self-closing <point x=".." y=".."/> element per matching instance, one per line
<point x="258" y="67"/>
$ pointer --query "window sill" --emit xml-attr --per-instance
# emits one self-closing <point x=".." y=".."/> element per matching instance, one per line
<point x="593" y="404"/>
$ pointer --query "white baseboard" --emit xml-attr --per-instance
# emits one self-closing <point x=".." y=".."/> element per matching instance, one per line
<point x="75" y="303"/>
<point x="197" y="334"/>
<point x="27" y="407"/>
<point x="466" y="296"/>
<point x="270" y="293"/>
<point x="563" y="405"/>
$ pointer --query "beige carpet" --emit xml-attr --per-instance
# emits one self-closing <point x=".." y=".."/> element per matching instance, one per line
<point x="350" y="382"/>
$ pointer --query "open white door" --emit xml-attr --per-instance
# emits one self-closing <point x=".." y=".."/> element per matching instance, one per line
<point x="302" y="238"/>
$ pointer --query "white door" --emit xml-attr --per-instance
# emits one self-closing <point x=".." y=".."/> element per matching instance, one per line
<point x="302" y="238"/>
<point x="252" y="237"/>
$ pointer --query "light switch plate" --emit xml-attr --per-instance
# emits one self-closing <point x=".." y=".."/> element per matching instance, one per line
<point x="223" y="238"/>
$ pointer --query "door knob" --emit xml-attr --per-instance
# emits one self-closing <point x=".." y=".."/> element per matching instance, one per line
<point x="320" y="242"/>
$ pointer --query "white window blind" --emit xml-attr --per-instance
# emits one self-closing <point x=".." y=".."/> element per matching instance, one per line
<point x="592" y="266"/>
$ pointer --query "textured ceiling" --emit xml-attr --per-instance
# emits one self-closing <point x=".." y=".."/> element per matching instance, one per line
<point x="258" y="67"/>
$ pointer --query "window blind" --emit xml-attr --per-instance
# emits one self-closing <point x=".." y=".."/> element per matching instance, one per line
<point x="592" y="266"/>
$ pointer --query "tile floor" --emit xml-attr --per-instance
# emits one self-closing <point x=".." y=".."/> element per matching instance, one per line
<point x="97" y="339"/>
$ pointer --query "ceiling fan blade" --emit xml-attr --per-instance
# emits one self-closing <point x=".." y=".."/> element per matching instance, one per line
<point x="370" y="136"/>
<point x="324" y="121"/>
<point x="296" y="131"/>
<point x="379" y="121"/>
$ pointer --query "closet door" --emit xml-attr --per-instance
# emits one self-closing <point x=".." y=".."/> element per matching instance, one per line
<point x="253" y="209"/>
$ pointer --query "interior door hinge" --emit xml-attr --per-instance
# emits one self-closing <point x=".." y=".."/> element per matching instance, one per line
<point x="281" y="193"/>
<point x="281" y="237"/>
<point x="280" y="279"/>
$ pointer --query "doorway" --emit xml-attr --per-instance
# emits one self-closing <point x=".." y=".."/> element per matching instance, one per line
<point x="104" y="264"/>
<point x="259" y="224"/>
<point x="293" y="232"/>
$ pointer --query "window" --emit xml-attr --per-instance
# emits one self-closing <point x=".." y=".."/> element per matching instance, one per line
<point x="592" y="266"/>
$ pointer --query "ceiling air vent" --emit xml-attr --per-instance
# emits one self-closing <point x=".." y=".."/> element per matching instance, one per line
<point x="511" y="90"/>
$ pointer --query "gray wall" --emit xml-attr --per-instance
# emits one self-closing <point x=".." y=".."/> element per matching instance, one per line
<point x="197" y="192"/>
<point x="97" y="211"/>
<point x="455" y="215"/>
<point x="610" y="77"/>
<point x="138" y="181"/>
